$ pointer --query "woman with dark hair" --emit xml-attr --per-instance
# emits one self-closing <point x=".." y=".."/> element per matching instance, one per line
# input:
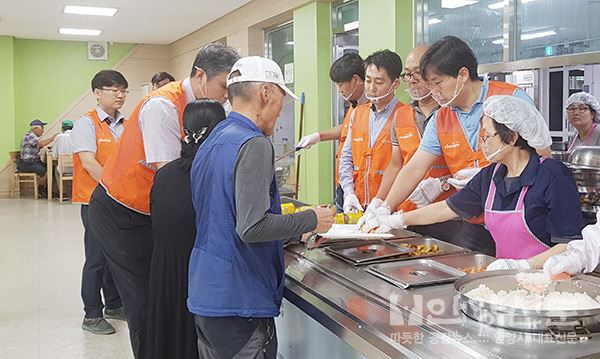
<point x="530" y="203"/>
<point x="170" y="330"/>
<point x="583" y="113"/>
<point x="160" y="79"/>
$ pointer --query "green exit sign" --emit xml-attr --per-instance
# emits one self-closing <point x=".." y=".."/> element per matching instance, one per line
<point x="549" y="50"/>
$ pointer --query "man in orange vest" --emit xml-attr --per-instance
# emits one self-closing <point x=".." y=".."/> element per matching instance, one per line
<point x="408" y="127"/>
<point x="119" y="211"/>
<point x="348" y="74"/>
<point x="94" y="139"/>
<point x="367" y="151"/>
<point x="450" y="69"/>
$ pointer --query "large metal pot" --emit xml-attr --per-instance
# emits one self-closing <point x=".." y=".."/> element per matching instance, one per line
<point x="540" y="321"/>
<point x="585" y="157"/>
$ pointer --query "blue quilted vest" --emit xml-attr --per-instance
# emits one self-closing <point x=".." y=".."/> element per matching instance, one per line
<point x="228" y="277"/>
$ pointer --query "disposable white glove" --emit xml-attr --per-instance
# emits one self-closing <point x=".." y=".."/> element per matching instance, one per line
<point x="500" y="264"/>
<point x="384" y="223"/>
<point x="376" y="208"/>
<point x="464" y="176"/>
<point x="351" y="204"/>
<point x="309" y="140"/>
<point x="426" y="192"/>
<point x="580" y="256"/>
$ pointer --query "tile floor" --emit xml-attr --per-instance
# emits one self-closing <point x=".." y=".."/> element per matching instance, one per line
<point x="41" y="256"/>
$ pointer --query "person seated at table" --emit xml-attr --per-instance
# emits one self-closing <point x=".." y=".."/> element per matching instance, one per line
<point x="30" y="160"/>
<point x="63" y="146"/>
<point x="530" y="203"/>
<point x="583" y="113"/>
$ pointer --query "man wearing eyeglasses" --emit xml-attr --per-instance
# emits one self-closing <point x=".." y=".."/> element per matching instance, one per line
<point x="119" y="211"/>
<point x="94" y="138"/>
<point x="407" y="130"/>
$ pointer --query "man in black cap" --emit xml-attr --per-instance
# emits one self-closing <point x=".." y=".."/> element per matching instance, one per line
<point x="30" y="152"/>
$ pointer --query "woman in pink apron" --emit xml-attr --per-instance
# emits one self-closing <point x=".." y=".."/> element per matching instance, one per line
<point x="529" y="203"/>
<point x="583" y="113"/>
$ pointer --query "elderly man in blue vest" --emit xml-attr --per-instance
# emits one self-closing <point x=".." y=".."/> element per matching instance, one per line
<point x="236" y="275"/>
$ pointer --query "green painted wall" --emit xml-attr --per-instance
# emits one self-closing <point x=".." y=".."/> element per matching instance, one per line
<point x="312" y="58"/>
<point x="386" y="24"/>
<point x="7" y="97"/>
<point x="50" y="75"/>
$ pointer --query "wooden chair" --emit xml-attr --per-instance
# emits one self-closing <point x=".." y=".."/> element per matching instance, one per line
<point x="22" y="177"/>
<point x="64" y="162"/>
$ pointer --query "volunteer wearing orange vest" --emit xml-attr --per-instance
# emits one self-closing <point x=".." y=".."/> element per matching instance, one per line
<point x="94" y="138"/>
<point x="348" y="74"/>
<point x="450" y="69"/>
<point x="408" y="127"/>
<point x="368" y="148"/>
<point x="119" y="211"/>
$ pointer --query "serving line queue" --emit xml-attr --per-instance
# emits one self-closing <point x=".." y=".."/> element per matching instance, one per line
<point x="459" y="163"/>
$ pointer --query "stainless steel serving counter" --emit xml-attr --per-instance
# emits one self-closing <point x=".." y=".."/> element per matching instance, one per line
<point x="376" y="319"/>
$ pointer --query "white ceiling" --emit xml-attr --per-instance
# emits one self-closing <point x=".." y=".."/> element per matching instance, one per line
<point x="137" y="21"/>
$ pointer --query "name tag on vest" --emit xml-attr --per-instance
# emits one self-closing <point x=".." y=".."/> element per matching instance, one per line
<point x="358" y="139"/>
<point x="408" y="135"/>
<point x="452" y="145"/>
<point x="104" y="140"/>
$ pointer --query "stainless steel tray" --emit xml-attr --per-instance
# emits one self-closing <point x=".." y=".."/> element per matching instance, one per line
<point x="416" y="272"/>
<point x="526" y="319"/>
<point x="466" y="260"/>
<point x="367" y="251"/>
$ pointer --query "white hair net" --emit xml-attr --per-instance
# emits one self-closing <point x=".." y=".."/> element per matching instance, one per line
<point x="521" y="117"/>
<point x="587" y="99"/>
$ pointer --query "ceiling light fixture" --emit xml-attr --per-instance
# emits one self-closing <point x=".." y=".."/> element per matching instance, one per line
<point x="454" y="4"/>
<point x="537" y="35"/>
<point x="79" y="32"/>
<point x="90" y="10"/>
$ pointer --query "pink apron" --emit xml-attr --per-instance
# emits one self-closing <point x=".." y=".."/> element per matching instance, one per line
<point x="513" y="237"/>
<point x="586" y="140"/>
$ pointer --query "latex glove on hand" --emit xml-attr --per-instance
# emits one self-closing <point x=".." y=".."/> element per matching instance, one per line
<point x="375" y="208"/>
<point x="351" y="204"/>
<point x="426" y="192"/>
<point x="384" y="223"/>
<point x="580" y="256"/>
<point x="309" y="140"/>
<point x="462" y="177"/>
<point x="501" y="264"/>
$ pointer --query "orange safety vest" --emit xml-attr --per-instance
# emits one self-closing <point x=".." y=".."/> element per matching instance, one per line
<point x="369" y="162"/>
<point x="456" y="150"/>
<point x="343" y="137"/>
<point x="127" y="177"/>
<point x="83" y="183"/>
<point x="409" y="139"/>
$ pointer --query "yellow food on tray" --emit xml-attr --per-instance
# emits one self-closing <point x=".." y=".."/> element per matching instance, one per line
<point x="288" y="208"/>
<point x="303" y="208"/>
<point x="350" y="218"/>
<point x="422" y="249"/>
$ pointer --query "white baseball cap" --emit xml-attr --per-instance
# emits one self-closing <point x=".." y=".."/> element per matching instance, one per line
<point x="259" y="69"/>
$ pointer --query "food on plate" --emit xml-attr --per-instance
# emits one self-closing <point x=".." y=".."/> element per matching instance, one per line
<point x="528" y="300"/>
<point x="473" y="269"/>
<point x="422" y="249"/>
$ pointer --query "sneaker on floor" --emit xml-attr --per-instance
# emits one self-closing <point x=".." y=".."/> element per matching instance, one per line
<point x="118" y="314"/>
<point x="97" y="326"/>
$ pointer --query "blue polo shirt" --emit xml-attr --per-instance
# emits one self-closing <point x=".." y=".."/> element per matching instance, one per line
<point x="470" y="122"/>
<point x="552" y="207"/>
